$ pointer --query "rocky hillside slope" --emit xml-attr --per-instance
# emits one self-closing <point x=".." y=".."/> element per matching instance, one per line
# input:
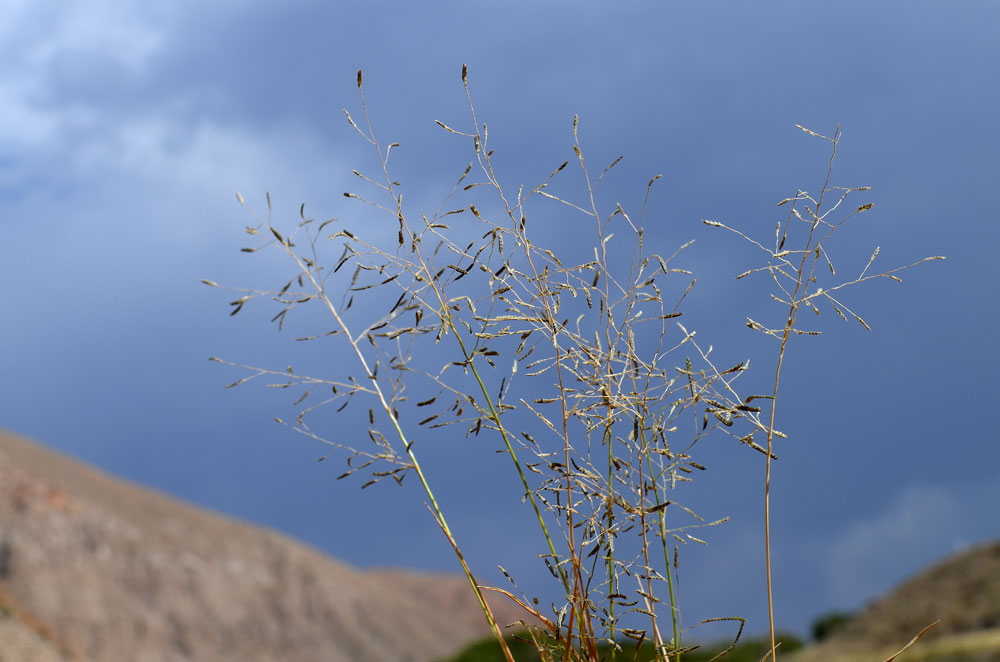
<point x="961" y="591"/>
<point x="93" y="568"/>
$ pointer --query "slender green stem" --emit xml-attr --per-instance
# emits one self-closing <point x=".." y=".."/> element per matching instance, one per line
<point x="495" y="417"/>
<point x="662" y="518"/>
<point x="610" y="559"/>
<point x="433" y="503"/>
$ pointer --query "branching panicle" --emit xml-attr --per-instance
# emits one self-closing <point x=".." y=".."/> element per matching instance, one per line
<point x="575" y="364"/>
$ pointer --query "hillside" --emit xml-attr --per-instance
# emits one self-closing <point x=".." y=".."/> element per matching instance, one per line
<point x="94" y="568"/>
<point x="962" y="591"/>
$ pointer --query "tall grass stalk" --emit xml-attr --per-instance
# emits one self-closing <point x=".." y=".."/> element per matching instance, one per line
<point x="575" y="358"/>
<point x="794" y="273"/>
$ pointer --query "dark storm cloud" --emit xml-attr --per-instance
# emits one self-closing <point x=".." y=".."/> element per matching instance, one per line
<point x="124" y="132"/>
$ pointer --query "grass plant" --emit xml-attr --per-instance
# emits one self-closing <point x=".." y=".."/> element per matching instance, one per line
<point x="749" y="649"/>
<point x="575" y="363"/>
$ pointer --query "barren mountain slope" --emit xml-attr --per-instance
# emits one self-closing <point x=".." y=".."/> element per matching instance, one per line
<point x="962" y="591"/>
<point x="111" y="571"/>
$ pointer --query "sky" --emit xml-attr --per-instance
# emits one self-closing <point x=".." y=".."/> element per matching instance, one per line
<point x="127" y="127"/>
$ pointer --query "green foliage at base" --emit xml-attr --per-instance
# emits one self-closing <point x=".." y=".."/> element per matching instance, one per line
<point x="746" y="650"/>
<point x="488" y="650"/>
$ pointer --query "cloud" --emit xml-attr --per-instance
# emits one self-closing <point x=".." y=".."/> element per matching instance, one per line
<point x="111" y="199"/>
<point x="92" y="133"/>
<point x="49" y="51"/>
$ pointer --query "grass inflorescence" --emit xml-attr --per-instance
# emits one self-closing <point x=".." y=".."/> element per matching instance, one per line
<point x="576" y="364"/>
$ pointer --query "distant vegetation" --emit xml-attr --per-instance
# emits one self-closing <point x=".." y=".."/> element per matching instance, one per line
<point x="538" y="319"/>
<point x="521" y="646"/>
<point x="829" y="623"/>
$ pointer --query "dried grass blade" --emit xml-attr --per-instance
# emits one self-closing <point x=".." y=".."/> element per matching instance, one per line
<point x="912" y="641"/>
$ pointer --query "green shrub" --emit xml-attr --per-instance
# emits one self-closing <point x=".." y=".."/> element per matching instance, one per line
<point x="829" y="623"/>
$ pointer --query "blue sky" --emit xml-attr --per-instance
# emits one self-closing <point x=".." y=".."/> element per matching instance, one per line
<point x="125" y="129"/>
